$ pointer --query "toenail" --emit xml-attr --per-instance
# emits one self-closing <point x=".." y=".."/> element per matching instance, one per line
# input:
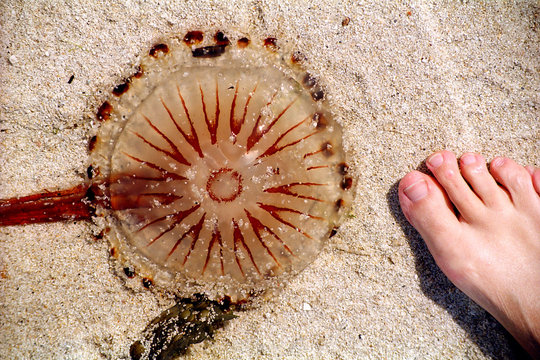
<point x="436" y="160"/>
<point x="497" y="162"/>
<point x="416" y="191"/>
<point x="468" y="159"/>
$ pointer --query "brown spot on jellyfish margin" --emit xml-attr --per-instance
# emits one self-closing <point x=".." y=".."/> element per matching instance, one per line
<point x="193" y="37"/>
<point x="217" y="174"/>
<point x="271" y="43"/>
<point x="243" y="42"/>
<point x="130" y="273"/>
<point x="221" y="39"/>
<point x="147" y="283"/>
<point x="90" y="172"/>
<point x="104" y="111"/>
<point x="346" y="183"/>
<point x="297" y="57"/>
<point x="309" y="81"/>
<point x="120" y="89"/>
<point x="138" y="73"/>
<point x="158" y="48"/>
<point x="92" y="143"/>
<point x="343" y="168"/>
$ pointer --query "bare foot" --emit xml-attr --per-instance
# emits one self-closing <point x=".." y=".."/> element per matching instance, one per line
<point x="491" y="249"/>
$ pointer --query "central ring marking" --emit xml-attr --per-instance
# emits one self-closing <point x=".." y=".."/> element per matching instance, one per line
<point x="224" y="185"/>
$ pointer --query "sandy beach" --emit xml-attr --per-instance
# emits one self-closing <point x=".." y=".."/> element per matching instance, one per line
<point x="403" y="79"/>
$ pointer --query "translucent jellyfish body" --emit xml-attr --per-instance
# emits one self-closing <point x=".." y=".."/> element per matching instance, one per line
<point x="222" y="169"/>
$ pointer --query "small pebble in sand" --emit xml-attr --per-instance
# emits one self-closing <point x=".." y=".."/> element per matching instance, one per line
<point x="13" y="60"/>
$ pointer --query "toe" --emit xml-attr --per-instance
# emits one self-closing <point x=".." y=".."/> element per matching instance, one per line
<point x="445" y="168"/>
<point x="515" y="178"/>
<point x="474" y="170"/>
<point x="536" y="180"/>
<point x="535" y="175"/>
<point x="429" y="210"/>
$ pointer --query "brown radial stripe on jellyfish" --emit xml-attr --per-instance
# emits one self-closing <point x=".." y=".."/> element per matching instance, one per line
<point x="219" y="171"/>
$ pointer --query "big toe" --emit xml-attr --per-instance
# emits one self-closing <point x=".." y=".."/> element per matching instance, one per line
<point x="429" y="210"/>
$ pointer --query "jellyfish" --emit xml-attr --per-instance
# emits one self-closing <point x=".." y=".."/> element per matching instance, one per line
<point x="216" y="168"/>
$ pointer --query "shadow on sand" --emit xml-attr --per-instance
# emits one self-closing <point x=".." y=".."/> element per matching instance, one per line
<point x="492" y="339"/>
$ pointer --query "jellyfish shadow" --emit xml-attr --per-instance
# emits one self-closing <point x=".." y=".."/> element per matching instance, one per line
<point x="491" y="338"/>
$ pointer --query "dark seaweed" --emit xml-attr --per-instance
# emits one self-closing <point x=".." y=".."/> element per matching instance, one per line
<point x="190" y="321"/>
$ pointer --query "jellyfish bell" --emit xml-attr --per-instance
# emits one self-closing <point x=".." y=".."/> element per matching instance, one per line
<point x="217" y="168"/>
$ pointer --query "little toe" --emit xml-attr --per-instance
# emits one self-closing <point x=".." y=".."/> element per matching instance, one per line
<point x="445" y="168"/>
<point x="535" y="175"/>
<point x="515" y="178"/>
<point x="429" y="210"/>
<point x="474" y="170"/>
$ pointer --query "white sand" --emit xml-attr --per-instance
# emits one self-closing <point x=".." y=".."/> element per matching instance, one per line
<point x="404" y="80"/>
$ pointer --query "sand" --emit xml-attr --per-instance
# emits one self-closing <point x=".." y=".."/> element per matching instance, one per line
<point x="404" y="80"/>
